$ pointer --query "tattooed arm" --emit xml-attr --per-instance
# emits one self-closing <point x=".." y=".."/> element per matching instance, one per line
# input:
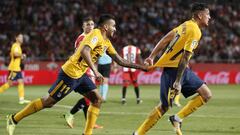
<point x="122" y="62"/>
<point x="159" y="47"/>
<point x="85" y="53"/>
<point x="181" y="68"/>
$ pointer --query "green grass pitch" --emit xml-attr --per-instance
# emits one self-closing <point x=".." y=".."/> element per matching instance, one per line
<point x="221" y="116"/>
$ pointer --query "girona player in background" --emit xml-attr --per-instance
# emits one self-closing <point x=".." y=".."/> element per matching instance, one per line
<point x="83" y="103"/>
<point x="133" y="54"/>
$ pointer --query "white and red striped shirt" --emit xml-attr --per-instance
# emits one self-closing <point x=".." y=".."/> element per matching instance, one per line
<point x="77" y="43"/>
<point x="130" y="53"/>
<point x="79" y="40"/>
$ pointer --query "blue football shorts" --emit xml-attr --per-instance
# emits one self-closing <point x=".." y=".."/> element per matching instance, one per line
<point x="190" y="84"/>
<point x="65" y="85"/>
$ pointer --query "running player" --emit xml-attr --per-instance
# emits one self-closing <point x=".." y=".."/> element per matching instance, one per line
<point x="83" y="103"/>
<point x="72" y="75"/>
<point x="177" y="77"/>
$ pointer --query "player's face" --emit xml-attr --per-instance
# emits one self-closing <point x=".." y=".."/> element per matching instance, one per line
<point x="19" y="38"/>
<point x="111" y="28"/>
<point x="88" y="26"/>
<point x="205" y="17"/>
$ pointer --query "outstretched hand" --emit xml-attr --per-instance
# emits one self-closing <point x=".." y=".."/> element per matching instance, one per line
<point x="145" y="68"/>
<point x="148" y="61"/>
<point x="99" y="77"/>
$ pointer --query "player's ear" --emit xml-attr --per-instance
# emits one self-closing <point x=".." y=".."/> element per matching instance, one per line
<point x="200" y="15"/>
<point x="83" y="25"/>
<point x="105" y="26"/>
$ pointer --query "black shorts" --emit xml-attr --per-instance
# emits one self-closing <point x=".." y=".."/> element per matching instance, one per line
<point x="104" y="70"/>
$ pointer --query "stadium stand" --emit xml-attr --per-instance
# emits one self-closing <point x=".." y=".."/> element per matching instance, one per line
<point x="50" y="27"/>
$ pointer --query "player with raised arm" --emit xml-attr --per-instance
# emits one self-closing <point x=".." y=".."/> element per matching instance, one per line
<point x="176" y="76"/>
<point x="72" y="75"/>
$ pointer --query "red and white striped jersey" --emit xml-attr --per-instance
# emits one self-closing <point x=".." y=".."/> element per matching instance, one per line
<point x="130" y="53"/>
<point x="77" y="43"/>
<point x="79" y="40"/>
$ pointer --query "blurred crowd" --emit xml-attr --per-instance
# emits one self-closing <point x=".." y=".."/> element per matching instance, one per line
<point x="50" y="27"/>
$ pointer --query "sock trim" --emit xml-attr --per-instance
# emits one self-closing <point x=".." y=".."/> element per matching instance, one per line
<point x="159" y="113"/>
<point x="201" y="99"/>
<point x="14" y="121"/>
<point x="177" y="118"/>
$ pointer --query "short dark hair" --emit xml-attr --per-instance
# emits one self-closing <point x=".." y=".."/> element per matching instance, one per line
<point x="196" y="7"/>
<point x="87" y="18"/>
<point x="17" y="34"/>
<point x="105" y="17"/>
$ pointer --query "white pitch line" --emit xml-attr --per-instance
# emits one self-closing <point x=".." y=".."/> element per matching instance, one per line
<point x="129" y="113"/>
<point x="136" y="113"/>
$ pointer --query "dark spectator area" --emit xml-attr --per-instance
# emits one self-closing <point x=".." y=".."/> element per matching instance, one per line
<point x="50" y="27"/>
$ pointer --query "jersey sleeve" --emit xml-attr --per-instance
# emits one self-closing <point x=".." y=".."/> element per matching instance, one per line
<point x="92" y="39"/>
<point x="15" y="49"/>
<point x="111" y="49"/>
<point x="175" y="30"/>
<point x="192" y="40"/>
<point x="78" y="41"/>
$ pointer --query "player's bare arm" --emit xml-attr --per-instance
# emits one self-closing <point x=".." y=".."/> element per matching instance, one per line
<point x="181" y="67"/>
<point x="85" y="53"/>
<point x="159" y="47"/>
<point x="126" y="63"/>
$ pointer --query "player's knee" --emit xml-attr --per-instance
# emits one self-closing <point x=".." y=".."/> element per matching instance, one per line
<point x="135" y="85"/>
<point x="10" y="83"/>
<point x="207" y="96"/>
<point x="97" y="102"/>
<point x="125" y="84"/>
<point x="48" y="103"/>
<point x="20" y="80"/>
<point x="105" y="81"/>
<point x="163" y="109"/>
<point x="205" y="93"/>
